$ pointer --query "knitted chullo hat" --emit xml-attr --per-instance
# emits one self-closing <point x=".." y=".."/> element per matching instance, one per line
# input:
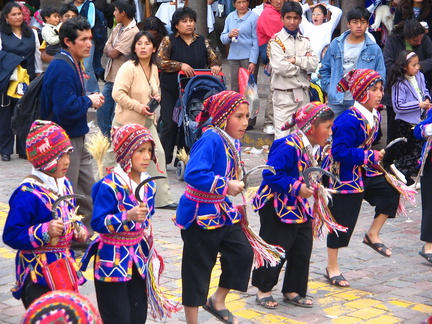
<point x="46" y="143"/>
<point x="126" y="139"/>
<point x="61" y="306"/>
<point x="306" y="116"/>
<point x="358" y="82"/>
<point x="220" y="107"/>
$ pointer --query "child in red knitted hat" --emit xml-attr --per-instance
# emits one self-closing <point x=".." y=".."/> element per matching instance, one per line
<point x="281" y="201"/>
<point x="123" y="271"/>
<point x="40" y="234"/>
<point x="355" y="163"/>
<point x="208" y="220"/>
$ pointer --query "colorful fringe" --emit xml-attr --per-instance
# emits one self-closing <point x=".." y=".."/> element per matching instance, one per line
<point x="406" y="193"/>
<point x="323" y="221"/>
<point x="264" y="254"/>
<point x="160" y="306"/>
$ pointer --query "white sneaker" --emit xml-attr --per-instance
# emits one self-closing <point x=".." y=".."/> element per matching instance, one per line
<point x="269" y="129"/>
<point x="398" y="174"/>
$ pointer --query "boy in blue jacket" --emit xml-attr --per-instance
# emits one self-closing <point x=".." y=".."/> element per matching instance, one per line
<point x="281" y="200"/>
<point x="31" y="228"/>
<point x="208" y="220"/>
<point x="353" y="162"/>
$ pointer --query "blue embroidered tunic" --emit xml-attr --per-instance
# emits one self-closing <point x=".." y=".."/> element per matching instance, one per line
<point x="289" y="158"/>
<point x="121" y="243"/>
<point x="351" y="154"/>
<point x="26" y="230"/>
<point x="211" y="165"/>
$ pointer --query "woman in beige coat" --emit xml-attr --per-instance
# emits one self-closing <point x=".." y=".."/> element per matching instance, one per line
<point x="136" y="83"/>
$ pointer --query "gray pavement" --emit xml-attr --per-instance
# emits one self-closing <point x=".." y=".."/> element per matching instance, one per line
<point x="383" y="290"/>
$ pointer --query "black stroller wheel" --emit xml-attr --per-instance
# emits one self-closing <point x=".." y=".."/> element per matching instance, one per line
<point x="180" y="170"/>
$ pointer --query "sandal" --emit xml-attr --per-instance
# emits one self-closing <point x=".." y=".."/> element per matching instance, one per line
<point x="427" y="256"/>
<point x="219" y="314"/>
<point x="336" y="280"/>
<point x="297" y="301"/>
<point x="264" y="302"/>
<point x="376" y="246"/>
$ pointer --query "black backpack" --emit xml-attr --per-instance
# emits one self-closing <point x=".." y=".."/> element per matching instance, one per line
<point x="99" y="30"/>
<point x="27" y="109"/>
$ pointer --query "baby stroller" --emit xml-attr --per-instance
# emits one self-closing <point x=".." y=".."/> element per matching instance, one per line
<point x="193" y="91"/>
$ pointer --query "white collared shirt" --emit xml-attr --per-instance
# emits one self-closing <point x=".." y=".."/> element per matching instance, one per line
<point x="55" y="184"/>
<point x="307" y="143"/>
<point x="368" y="114"/>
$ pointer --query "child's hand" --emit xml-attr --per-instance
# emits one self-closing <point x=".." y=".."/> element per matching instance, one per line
<point x="55" y="228"/>
<point x="81" y="236"/>
<point x="425" y="104"/>
<point x="379" y="155"/>
<point x="235" y="187"/>
<point x="137" y="214"/>
<point x="305" y="192"/>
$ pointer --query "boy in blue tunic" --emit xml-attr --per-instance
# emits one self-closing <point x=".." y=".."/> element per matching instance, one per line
<point x="281" y="200"/>
<point x="122" y="265"/>
<point x="31" y="228"/>
<point x="355" y="164"/>
<point x="209" y="222"/>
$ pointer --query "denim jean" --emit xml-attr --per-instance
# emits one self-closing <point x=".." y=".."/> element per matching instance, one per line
<point x="91" y="84"/>
<point x="105" y="113"/>
<point x="339" y="109"/>
<point x="98" y="52"/>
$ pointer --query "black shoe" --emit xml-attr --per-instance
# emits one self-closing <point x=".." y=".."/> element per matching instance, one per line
<point x="22" y="156"/>
<point x="172" y="206"/>
<point x="5" y="157"/>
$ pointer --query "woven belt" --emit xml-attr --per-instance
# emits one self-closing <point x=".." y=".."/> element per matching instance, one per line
<point x="203" y="196"/>
<point x="125" y="238"/>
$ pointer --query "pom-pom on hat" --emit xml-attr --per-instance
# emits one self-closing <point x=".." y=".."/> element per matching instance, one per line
<point x="46" y="143"/>
<point x="220" y="107"/>
<point x="61" y="306"/>
<point x="306" y="116"/>
<point x="126" y="139"/>
<point x="358" y="82"/>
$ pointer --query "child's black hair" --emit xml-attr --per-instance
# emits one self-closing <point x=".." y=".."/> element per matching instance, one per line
<point x="291" y="7"/>
<point x="325" y="116"/>
<point x="358" y="13"/>
<point x="398" y="71"/>
<point x="47" y="11"/>
<point x="322" y="8"/>
<point x="68" y="7"/>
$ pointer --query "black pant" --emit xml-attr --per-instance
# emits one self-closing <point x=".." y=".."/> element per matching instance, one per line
<point x="7" y="137"/>
<point x="32" y="291"/>
<point x="345" y="208"/>
<point x="297" y="241"/>
<point x="122" y="302"/>
<point x="426" y="195"/>
<point x="408" y="153"/>
<point x="200" y="251"/>
<point x="169" y="129"/>
<point x="391" y="152"/>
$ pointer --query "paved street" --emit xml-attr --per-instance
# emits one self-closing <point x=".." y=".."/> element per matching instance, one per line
<point x="383" y="290"/>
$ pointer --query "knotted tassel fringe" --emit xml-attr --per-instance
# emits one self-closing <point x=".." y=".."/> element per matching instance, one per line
<point x="323" y="221"/>
<point x="264" y="254"/>
<point x="160" y="306"/>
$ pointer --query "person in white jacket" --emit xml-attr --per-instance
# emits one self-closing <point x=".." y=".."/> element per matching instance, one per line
<point x="320" y="31"/>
